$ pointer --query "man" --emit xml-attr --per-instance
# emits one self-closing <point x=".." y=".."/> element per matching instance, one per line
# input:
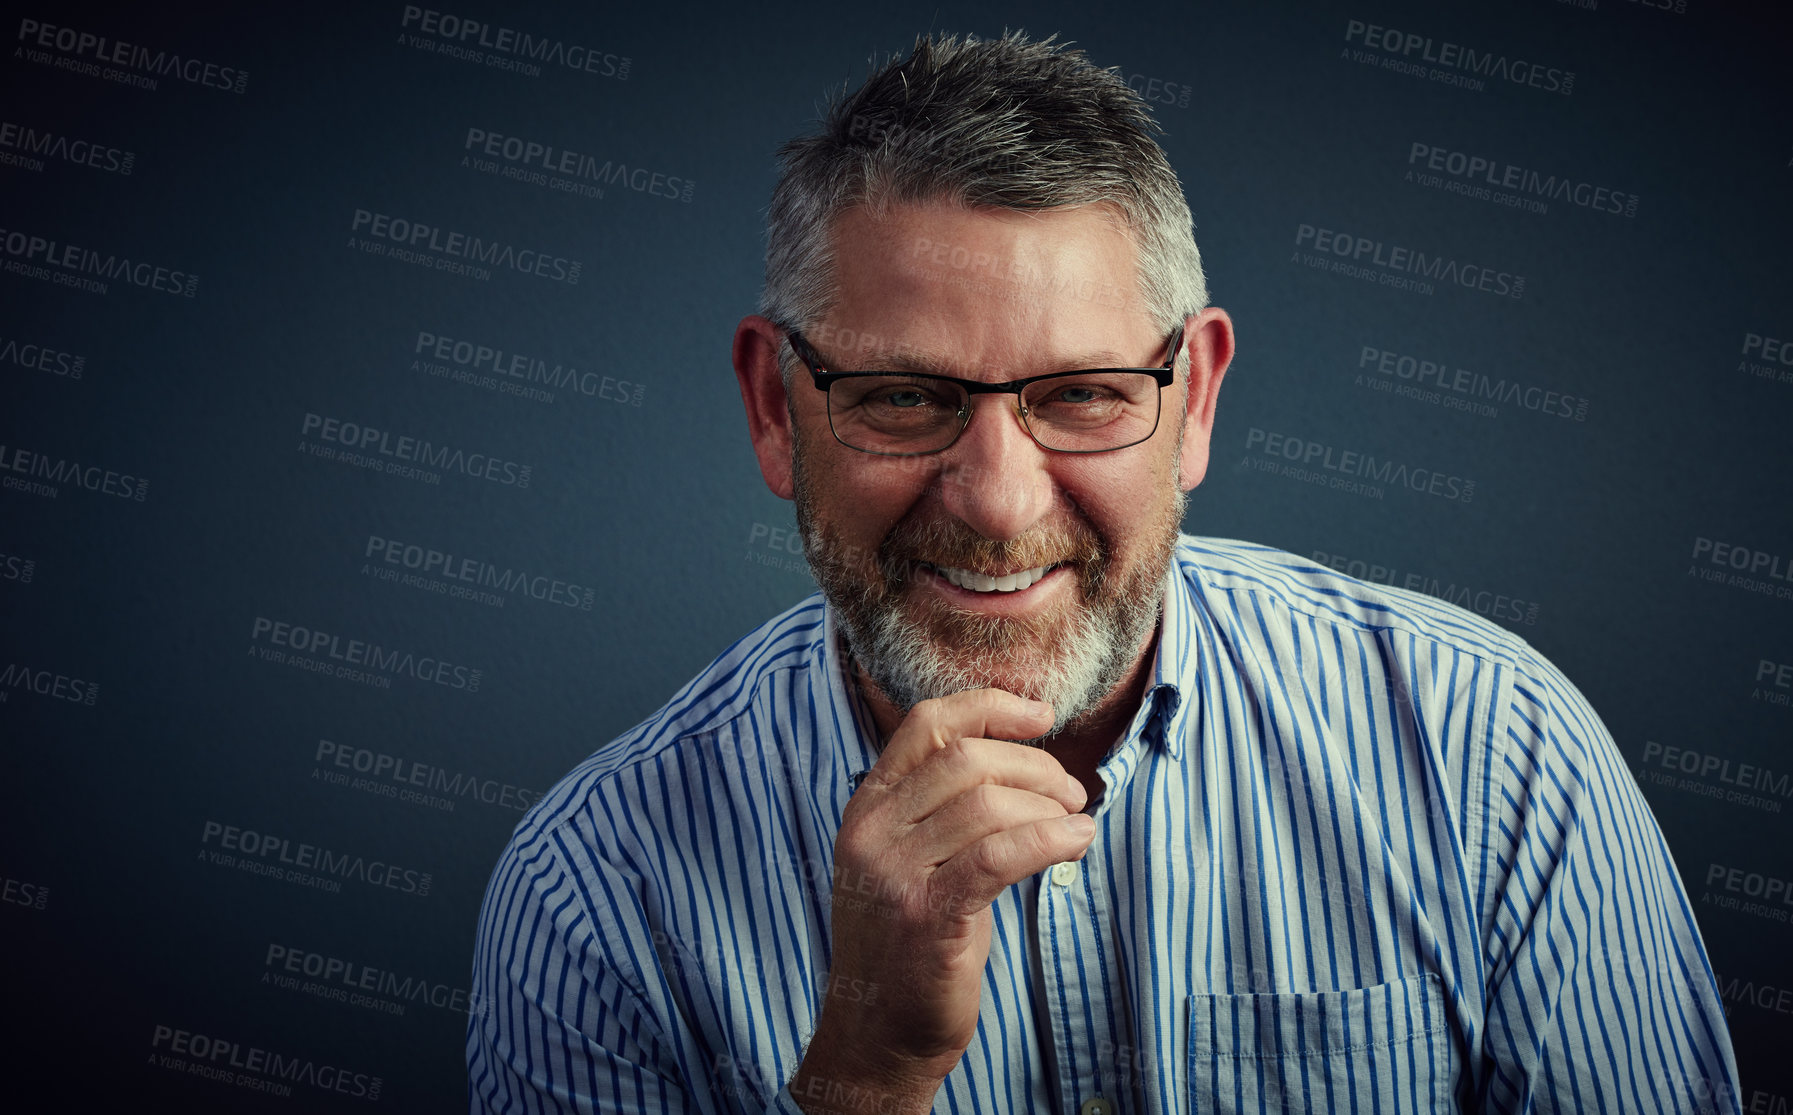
<point x="1040" y="805"/>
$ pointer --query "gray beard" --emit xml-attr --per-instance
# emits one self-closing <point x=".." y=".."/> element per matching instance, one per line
<point x="1072" y="661"/>
<point x="1072" y="670"/>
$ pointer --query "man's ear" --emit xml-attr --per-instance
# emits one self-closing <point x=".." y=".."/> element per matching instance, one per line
<point x="757" y="342"/>
<point x="1209" y="338"/>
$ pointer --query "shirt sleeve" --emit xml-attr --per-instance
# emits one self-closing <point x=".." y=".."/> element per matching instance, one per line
<point x="553" y="1025"/>
<point x="1599" y="994"/>
<point x="559" y="1018"/>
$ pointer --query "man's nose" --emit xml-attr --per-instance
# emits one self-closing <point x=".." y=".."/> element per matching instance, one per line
<point x="994" y="477"/>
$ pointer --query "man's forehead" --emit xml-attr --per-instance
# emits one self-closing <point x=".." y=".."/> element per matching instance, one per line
<point x="928" y="287"/>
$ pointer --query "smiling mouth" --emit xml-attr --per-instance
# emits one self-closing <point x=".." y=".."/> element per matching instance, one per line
<point x="984" y="582"/>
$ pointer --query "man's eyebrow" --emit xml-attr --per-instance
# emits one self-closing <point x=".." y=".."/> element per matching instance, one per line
<point x="922" y="362"/>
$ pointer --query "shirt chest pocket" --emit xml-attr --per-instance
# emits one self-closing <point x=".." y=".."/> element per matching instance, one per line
<point x="1386" y="1049"/>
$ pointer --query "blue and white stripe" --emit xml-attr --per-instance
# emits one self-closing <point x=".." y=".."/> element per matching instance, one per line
<point x="1359" y="851"/>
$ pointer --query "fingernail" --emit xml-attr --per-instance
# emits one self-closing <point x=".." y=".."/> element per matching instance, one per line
<point x="1080" y="824"/>
<point x="1077" y="792"/>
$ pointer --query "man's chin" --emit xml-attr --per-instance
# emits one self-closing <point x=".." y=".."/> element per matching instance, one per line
<point x="1014" y="648"/>
<point x="930" y="649"/>
<point x="979" y="673"/>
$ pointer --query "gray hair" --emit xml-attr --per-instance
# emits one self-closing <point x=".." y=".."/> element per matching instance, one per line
<point x="1005" y="123"/>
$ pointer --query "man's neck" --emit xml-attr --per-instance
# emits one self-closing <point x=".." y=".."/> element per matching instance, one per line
<point x="1080" y="748"/>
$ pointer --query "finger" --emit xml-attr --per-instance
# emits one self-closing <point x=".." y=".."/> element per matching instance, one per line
<point x="932" y="724"/>
<point x="971" y="880"/>
<point x="965" y="764"/>
<point x="978" y="812"/>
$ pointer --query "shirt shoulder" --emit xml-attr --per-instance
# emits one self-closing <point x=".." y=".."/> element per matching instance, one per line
<point x="1218" y="569"/>
<point x="721" y="694"/>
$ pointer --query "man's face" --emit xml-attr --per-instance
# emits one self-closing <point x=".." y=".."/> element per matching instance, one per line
<point x="989" y="295"/>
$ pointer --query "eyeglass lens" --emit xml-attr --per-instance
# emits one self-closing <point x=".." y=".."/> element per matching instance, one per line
<point x="1088" y="412"/>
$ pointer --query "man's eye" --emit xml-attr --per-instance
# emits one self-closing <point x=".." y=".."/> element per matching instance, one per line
<point x="1079" y="394"/>
<point x="906" y="397"/>
<point x="902" y="398"/>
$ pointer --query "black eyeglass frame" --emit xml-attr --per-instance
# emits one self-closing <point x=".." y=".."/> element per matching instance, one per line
<point x="1164" y="374"/>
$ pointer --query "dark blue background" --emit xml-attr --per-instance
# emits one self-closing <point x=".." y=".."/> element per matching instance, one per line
<point x="658" y="507"/>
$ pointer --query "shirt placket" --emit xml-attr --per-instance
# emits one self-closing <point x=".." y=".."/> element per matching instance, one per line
<point x="1083" y="982"/>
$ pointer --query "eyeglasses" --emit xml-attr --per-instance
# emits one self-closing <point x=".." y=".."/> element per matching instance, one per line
<point x="904" y="414"/>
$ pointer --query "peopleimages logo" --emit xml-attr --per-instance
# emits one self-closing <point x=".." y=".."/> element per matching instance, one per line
<point x="1715" y="776"/>
<point x="1395" y="265"/>
<point x="1452" y="63"/>
<point x="41" y="358"/>
<point x="1160" y="92"/>
<point x="1773" y="682"/>
<point x="1757" y="562"/>
<point x="503" y="48"/>
<point x="1350" y="470"/>
<point x="459" y="253"/>
<point x="264" y="848"/>
<point x="1503" y="183"/>
<point x="17" y="677"/>
<point x="371" y="446"/>
<point x="1767" y="357"/>
<point x="513" y="373"/>
<point x="355" y="659"/>
<point x="1736" y="989"/>
<point x="544" y="164"/>
<point x="1011" y="278"/>
<point x="1460" y="388"/>
<point x="46" y="472"/>
<point x="384" y="775"/>
<point x="24" y="146"/>
<point x="252" y="1067"/>
<point x="386" y="558"/>
<point x="1499" y="606"/>
<point x="16" y="568"/>
<point x="1759" y="571"/>
<point x="18" y="892"/>
<point x="52" y="261"/>
<point x="291" y="968"/>
<point x="1765" y="896"/>
<point x="1768" y="348"/>
<point x="126" y="63"/>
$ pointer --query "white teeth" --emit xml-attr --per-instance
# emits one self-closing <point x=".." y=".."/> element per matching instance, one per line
<point x="981" y="582"/>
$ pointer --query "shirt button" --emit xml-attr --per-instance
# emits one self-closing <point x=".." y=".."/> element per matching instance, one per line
<point x="1062" y="874"/>
<point x="1097" y="1106"/>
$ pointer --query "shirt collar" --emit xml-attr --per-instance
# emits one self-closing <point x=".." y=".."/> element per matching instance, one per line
<point x="860" y="744"/>
<point x="1158" y="720"/>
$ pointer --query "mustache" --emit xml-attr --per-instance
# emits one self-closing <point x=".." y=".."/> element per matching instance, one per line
<point x="913" y="549"/>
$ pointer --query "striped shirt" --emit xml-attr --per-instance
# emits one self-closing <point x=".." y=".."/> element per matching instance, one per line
<point x="1360" y="850"/>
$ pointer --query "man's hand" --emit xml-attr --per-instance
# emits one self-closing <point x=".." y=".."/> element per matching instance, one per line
<point x="952" y="815"/>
